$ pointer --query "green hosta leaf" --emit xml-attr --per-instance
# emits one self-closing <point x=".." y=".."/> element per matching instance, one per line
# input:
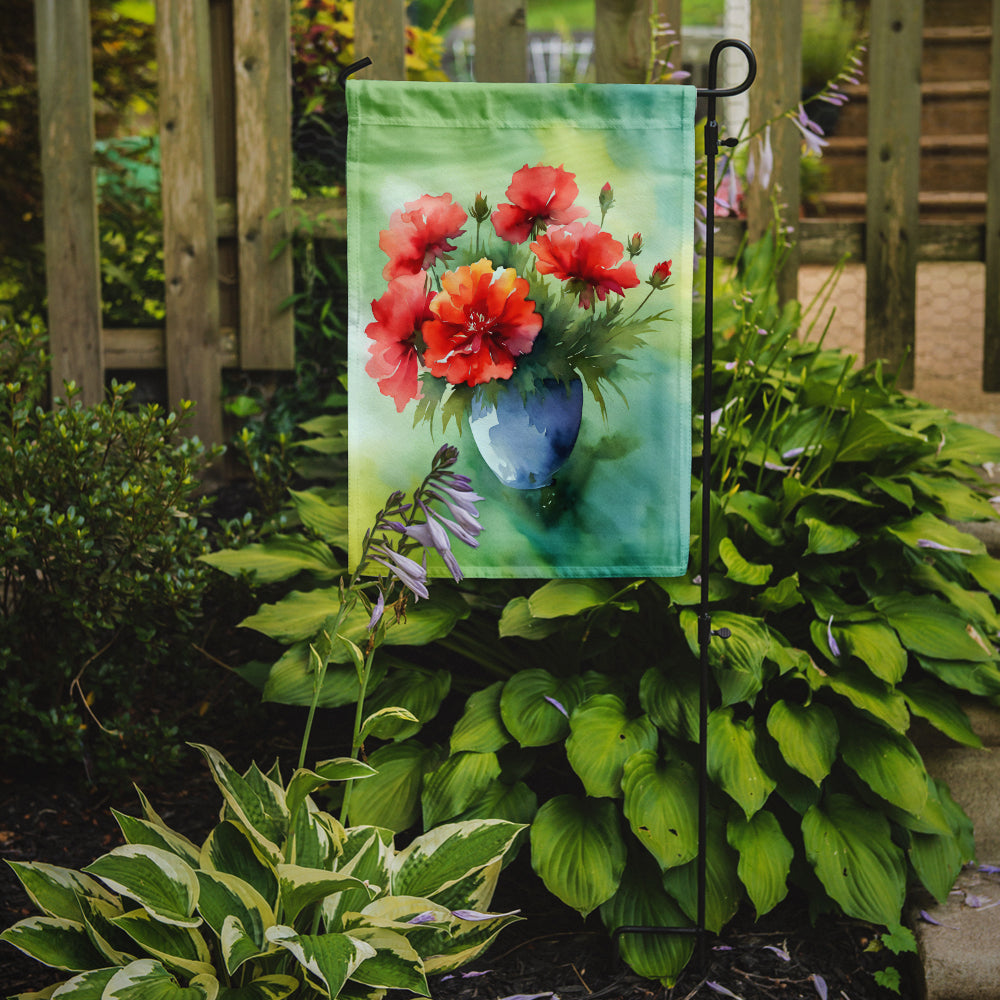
<point x="274" y="987"/>
<point x="783" y="595"/>
<point x="279" y="558"/>
<point x="941" y="709"/>
<point x="141" y="831"/>
<point x="866" y="692"/>
<point x="807" y="736"/>
<point x="739" y="569"/>
<point x="395" y="964"/>
<point x="330" y="959"/>
<point x="230" y="849"/>
<point x="850" y="847"/>
<point x="291" y="679"/>
<point x="986" y="572"/>
<point x="723" y="889"/>
<point x="304" y="782"/>
<point x="391" y="798"/>
<point x="56" y="891"/>
<point x="578" y="851"/>
<point x="828" y="539"/>
<point x="732" y="760"/>
<point x="765" y="858"/>
<point x="180" y="948"/>
<point x="975" y="605"/>
<point x="54" y="941"/>
<point x="535" y="706"/>
<point x="965" y="443"/>
<point x="260" y="809"/>
<point x="516" y="803"/>
<point x="738" y="661"/>
<point x="558" y="598"/>
<point x="481" y="728"/>
<point x="888" y="763"/>
<point x="602" y="738"/>
<point x="937" y="859"/>
<point x="928" y="528"/>
<point x="456" y="784"/>
<point x="159" y="881"/>
<point x="931" y="628"/>
<point x="438" y="859"/>
<point x="671" y="699"/>
<point x="760" y="512"/>
<point x="415" y="689"/>
<point x="683" y="591"/>
<point x="226" y="898"/>
<point x="147" y="979"/>
<point x="876" y="646"/>
<point x="957" y="501"/>
<point x="327" y="520"/>
<point x="661" y="798"/>
<point x="870" y="435"/>
<point x="976" y="678"/>
<point x="301" y="887"/>
<point x="641" y="901"/>
<point x="517" y="620"/>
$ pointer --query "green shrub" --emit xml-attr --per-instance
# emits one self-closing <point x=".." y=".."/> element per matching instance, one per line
<point x="99" y="539"/>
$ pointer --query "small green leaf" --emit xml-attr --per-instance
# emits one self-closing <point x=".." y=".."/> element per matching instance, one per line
<point x="279" y="558"/>
<point x="828" y="539"/>
<point x="456" y="784"/>
<point x="559" y="598"/>
<point x="739" y="569"/>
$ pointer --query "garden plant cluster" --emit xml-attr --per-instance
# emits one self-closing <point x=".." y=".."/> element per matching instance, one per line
<point x="483" y="719"/>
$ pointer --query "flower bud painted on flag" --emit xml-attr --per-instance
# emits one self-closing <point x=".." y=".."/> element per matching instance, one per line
<point x="634" y="246"/>
<point x="480" y="208"/>
<point x="661" y="274"/>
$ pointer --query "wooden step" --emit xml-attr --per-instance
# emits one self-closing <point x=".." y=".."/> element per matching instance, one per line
<point x="955" y="206"/>
<point x="956" y="53"/>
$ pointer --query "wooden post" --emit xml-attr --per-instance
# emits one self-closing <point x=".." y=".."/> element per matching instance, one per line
<point x="991" y="333"/>
<point x="190" y="254"/>
<point x="623" y="38"/>
<point x="380" y="34"/>
<point x="261" y="57"/>
<point x="776" y="35"/>
<point x="501" y="41"/>
<point x="72" y="256"/>
<point x="893" y="183"/>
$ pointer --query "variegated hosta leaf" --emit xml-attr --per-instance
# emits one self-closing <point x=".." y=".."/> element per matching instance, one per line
<point x="300" y="887"/>
<point x="850" y="847"/>
<point x="395" y="964"/>
<point x="177" y="947"/>
<point x="578" y="851"/>
<point x="86" y="986"/>
<point x="367" y="853"/>
<point x="602" y="737"/>
<point x="147" y="979"/>
<point x="467" y="940"/>
<point x="315" y="838"/>
<point x="481" y="727"/>
<point x="230" y="849"/>
<point x="56" y="891"/>
<point x="273" y="987"/>
<point x="456" y="784"/>
<point x="54" y="941"/>
<point x="476" y="890"/>
<point x="642" y="902"/>
<point x="723" y="889"/>
<point x="256" y="801"/>
<point x="661" y="799"/>
<point x="888" y="763"/>
<point x="158" y="880"/>
<point x="304" y="782"/>
<point x="441" y="857"/>
<point x="391" y="799"/>
<point x="225" y="897"/>
<point x="732" y="760"/>
<point x="807" y="736"/>
<point x="141" y="831"/>
<point x="765" y="858"/>
<point x="116" y="947"/>
<point x="535" y="706"/>
<point x="329" y="959"/>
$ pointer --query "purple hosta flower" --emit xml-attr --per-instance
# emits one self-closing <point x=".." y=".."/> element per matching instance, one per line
<point x="427" y="917"/>
<point x="432" y="535"/>
<point x="461" y="503"/>
<point x="558" y="705"/>
<point x="465" y="975"/>
<point x="928" y="543"/>
<point x="761" y="163"/>
<point x="377" y="611"/>
<point x="408" y="571"/>
<point x="927" y="918"/>
<point x="812" y="134"/>
<point x="780" y="952"/>
<point x="719" y="988"/>
<point x="831" y="642"/>
<point x="727" y="198"/>
<point x="475" y="915"/>
<point x="990" y="869"/>
<point x="820" y="983"/>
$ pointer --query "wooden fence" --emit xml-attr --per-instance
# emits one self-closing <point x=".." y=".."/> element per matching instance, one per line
<point x="226" y="162"/>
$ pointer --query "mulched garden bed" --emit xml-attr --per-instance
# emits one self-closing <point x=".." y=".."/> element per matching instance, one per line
<point x="56" y="819"/>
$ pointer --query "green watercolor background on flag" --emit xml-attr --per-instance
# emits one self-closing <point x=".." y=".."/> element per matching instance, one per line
<point x="621" y="505"/>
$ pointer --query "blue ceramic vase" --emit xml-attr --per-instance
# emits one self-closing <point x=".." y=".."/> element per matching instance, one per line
<point x="525" y="441"/>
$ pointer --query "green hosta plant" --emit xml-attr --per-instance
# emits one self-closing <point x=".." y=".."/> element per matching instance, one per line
<point x="855" y="604"/>
<point x="279" y="900"/>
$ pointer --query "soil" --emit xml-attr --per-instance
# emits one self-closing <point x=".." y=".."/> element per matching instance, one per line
<point x="551" y="952"/>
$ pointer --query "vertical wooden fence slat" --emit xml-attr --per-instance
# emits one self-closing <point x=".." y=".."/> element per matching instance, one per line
<point x="72" y="257"/>
<point x="190" y="254"/>
<point x="991" y="332"/>
<point x="622" y="40"/>
<point x="261" y="58"/>
<point x="501" y="41"/>
<point x="776" y="36"/>
<point x="671" y="12"/>
<point x="380" y="34"/>
<point x="893" y="183"/>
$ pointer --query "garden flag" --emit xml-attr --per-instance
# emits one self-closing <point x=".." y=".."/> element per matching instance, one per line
<point x="520" y="276"/>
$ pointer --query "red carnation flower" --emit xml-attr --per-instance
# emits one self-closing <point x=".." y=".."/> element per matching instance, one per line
<point x="394" y="358"/>
<point x="482" y="322"/>
<point x="540" y="196"/>
<point x="588" y="258"/>
<point x="418" y="236"/>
